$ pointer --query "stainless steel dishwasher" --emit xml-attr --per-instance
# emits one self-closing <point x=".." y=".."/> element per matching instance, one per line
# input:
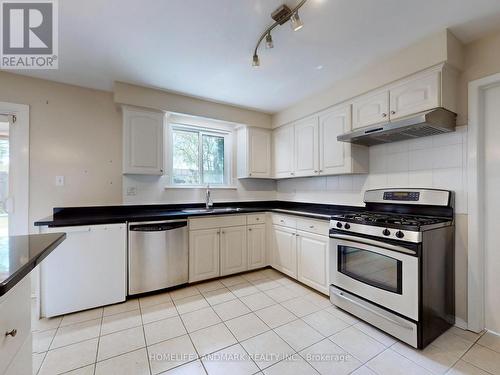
<point x="157" y="255"/>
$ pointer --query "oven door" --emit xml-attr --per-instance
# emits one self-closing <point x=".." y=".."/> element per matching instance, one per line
<point x="382" y="273"/>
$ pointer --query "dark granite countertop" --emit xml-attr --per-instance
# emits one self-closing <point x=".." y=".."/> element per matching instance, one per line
<point x="72" y="216"/>
<point x="20" y="254"/>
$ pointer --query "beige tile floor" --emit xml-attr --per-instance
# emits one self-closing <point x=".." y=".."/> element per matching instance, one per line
<point x="259" y="322"/>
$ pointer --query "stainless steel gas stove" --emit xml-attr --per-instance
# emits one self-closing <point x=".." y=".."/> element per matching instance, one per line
<point x="392" y="265"/>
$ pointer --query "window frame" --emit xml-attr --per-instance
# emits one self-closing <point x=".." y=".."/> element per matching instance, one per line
<point x="228" y="155"/>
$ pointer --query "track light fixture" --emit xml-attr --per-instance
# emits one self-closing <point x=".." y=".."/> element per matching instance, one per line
<point x="280" y="16"/>
<point x="269" y="41"/>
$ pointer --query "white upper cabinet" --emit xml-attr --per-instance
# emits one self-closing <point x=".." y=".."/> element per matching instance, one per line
<point x="142" y="141"/>
<point x="334" y="156"/>
<point x="307" y="147"/>
<point x="415" y="95"/>
<point x="254" y="153"/>
<point x="370" y="109"/>
<point x="283" y="151"/>
<point x="432" y="88"/>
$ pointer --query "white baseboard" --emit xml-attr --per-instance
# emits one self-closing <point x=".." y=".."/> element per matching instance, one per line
<point x="460" y="323"/>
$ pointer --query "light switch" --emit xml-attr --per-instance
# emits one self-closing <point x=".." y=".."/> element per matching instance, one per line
<point x="59" y="180"/>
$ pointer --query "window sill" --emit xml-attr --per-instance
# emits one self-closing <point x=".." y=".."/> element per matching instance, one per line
<point x="220" y="187"/>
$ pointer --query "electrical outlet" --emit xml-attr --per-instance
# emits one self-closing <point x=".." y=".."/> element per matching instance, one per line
<point x="131" y="191"/>
<point x="59" y="180"/>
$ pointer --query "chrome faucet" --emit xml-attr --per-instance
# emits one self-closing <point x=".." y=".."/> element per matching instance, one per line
<point x="208" y="200"/>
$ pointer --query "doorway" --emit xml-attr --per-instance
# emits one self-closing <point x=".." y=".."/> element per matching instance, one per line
<point x="484" y="204"/>
<point x="14" y="169"/>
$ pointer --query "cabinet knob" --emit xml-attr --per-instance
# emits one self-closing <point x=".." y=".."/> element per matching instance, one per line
<point x="298" y="235"/>
<point x="257" y="218"/>
<point x="282" y="221"/>
<point x="393" y="112"/>
<point x="292" y="174"/>
<point x="311" y="226"/>
<point x="321" y="171"/>
<point x="315" y="171"/>
<point x="249" y="229"/>
<point x="384" y="114"/>
<point x="11" y="333"/>
<point x="249" y="174"/>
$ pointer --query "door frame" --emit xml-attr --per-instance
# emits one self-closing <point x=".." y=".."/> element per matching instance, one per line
<point x="476" y="204"/>
<point x="20" y="177"/>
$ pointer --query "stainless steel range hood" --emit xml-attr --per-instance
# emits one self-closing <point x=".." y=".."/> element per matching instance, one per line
<point x="435" y="121"/>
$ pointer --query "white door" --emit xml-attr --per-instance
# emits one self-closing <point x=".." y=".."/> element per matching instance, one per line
<point x="203" y="254"/>
<point x="256" y="246"/>
<point x="492" y="207"/>
<point x="313" y="260"/>
<point x="417" y="95"/>
<point x="14" y="170"/>
<point x="233" y="250"/>
<point x="283" y="157"/>
<point x="143" y="142"/>
<point x="370" y="109"/>
<point x="306" y="147"/>
<point x="334" y="156"/>
<point x="285" y="250"/>
<point x="259" y="148"/>
<point x="5" y="180"/>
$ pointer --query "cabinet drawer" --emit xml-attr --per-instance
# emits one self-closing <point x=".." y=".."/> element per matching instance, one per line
<point x="217" y="222"/>
<point x="284" y="220"/>
<point x="15" y="311"/>
<point x="314" y="226"/>
<point x="256" y="219"/>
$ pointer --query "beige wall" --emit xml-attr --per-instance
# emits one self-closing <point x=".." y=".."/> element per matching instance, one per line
<point x="74" y="132"/>
<point x="482" y="58"/>
<point x="425" y="53"/>
<point x="125" y="93"/>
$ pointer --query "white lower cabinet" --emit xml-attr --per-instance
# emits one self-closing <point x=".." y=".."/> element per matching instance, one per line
<point x="233" y="250"/>
<point x="285" y="250"/>
<point x="256" y="246"/>
<point x="89" y="269"/>
<point x="15" y="316"/>
<point x="225" y="245"/>
<point x="313" y="260"/>
<point x="300" y="249"/>
<point x="203" y="254"/>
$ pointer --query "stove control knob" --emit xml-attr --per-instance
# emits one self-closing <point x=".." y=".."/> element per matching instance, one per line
<point x="399" y="234"/>
<point x="386" y="232"/>
<point x="339" y="224"/>
<point x="347" y="226"/>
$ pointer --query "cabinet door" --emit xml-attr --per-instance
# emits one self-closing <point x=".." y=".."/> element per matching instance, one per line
<point x="420" y="94"/>
<point x="306" y="147"/>
<point x="256" y="245"/>
<point x="233" y="250"/>
<point x="313" y="260"/>
<point x="285" y="250"/>
<point x="91" y="257"/>
<point x="334" y="156"/>
<point x="203" y="254"/>
<point x="143" y="142"/>
<point x="283" y="144"/>
<point x="259" y="153"/>
<point x="370" y="109"/>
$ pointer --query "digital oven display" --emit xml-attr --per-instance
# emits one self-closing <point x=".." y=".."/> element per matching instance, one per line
<point x="401" y="196"/>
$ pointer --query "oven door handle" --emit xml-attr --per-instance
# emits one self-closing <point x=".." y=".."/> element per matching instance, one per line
<point x="368" y="241"/>
<point x="393" y="321"/>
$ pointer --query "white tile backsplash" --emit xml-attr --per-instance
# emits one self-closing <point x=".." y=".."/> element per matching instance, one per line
<point x="430" y="162"/>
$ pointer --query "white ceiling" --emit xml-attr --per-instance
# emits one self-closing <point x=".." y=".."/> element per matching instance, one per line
<point x="204" y="47"/>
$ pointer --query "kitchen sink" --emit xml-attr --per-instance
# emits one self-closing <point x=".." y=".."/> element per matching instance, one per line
<point x="208" y="210"/>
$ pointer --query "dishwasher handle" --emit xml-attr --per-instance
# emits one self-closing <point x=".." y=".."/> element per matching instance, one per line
<point x="157" y="227"/>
